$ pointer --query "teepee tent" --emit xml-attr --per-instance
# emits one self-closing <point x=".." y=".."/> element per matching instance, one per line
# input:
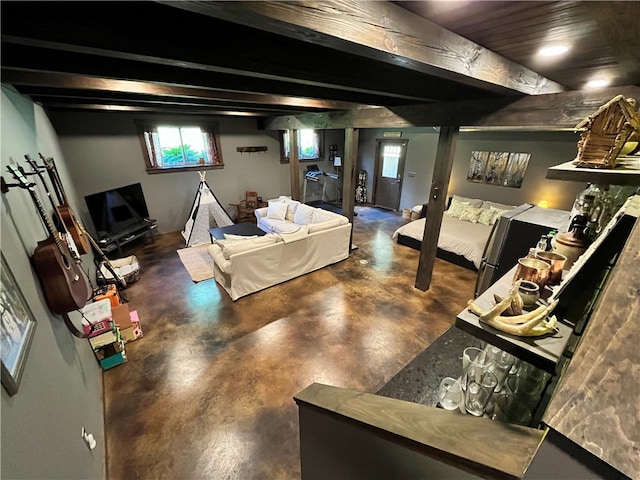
<point x="206" y="213"/>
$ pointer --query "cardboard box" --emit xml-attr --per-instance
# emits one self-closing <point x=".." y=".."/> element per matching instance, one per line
<point x="113" y="360"/>
<point x="121" y="316"/>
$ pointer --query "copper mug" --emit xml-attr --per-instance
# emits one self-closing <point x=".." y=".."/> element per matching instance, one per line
<point x="556" y="262"/>
<point x="533" y="270"/>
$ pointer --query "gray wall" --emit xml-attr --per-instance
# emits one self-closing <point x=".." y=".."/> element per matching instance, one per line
<point x="61" y="388"/>
<point x="546" y="148"/>
<point x="103" y="151"/>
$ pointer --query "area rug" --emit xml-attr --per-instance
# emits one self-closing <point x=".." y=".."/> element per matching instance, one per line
<point x="197" y="262"/>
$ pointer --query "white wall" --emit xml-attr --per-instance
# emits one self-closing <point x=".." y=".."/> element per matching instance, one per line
<point x="546" y="148"/>
<point x="61" y="388"/>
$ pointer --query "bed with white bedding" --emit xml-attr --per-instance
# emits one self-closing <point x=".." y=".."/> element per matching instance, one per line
<point x="464" y="232"/>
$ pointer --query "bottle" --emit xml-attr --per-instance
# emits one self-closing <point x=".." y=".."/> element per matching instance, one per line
<point x="550" y="236"/>
<point x="542" y="244"/>
<point x="532" y="253"/>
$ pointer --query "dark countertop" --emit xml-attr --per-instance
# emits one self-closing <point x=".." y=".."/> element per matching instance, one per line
<point x="418" y="381"/>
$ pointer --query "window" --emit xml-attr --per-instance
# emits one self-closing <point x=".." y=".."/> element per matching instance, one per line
<point x="309" y="145"/>
<point x="180" y="147"/>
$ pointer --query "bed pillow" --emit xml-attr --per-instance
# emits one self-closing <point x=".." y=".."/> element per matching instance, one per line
<point x="303" y="214"/>
<point x="497" y="206"/>
<point x="488" y="216"/>
<point x="456" y="208"/>
<point x="475" y="202"/>
<point x="470" y="214"/>
<point x="277" y="210"/>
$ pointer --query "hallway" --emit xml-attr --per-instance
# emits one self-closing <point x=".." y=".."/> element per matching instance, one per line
<point x="207" y="393"/>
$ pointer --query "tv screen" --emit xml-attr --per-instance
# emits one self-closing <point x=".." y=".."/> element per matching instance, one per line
<point x="114" y="211"/>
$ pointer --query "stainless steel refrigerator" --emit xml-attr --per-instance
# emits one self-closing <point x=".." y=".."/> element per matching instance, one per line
<point x="513" y="234"/>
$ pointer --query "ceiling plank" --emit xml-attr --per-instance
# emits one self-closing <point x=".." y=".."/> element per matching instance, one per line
<point x="557" y="111"/>
<point x="610" y="16"/>
<point x="383" y="31"/>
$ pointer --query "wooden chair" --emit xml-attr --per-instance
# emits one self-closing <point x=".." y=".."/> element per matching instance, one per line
<point x="247" y="206"/>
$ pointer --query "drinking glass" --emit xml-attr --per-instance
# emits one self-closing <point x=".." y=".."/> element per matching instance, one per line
<point x="478" y="393"/>
<point x="510" y="409"/>
<point x="501" y="363"/>
<point x="450" y="393"/>
<point x="476" y="357"/>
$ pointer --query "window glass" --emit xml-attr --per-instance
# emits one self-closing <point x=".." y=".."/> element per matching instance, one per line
<point x="170" y="147"/>
<point x="390" y="160"/>
<point x="309" y="145"/>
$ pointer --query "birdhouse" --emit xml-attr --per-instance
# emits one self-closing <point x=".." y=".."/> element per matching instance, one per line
<point x="605" y="133"/>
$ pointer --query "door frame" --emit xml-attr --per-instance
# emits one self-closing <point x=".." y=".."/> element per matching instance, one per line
<point x="378" y="166"/>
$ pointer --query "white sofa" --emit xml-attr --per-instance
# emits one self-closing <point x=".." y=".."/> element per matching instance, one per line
<point x="289" y="249"/>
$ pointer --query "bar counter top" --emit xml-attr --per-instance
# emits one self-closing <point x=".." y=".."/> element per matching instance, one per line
<point x="596" y="404"/>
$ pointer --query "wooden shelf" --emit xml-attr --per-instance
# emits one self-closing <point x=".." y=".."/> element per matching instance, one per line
<point x="543" y="352"/>
<point x="627" y="172"/>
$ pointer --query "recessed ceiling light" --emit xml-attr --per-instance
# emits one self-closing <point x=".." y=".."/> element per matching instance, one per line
<point x="553" y="50"/>
<point x="600" y="83"/>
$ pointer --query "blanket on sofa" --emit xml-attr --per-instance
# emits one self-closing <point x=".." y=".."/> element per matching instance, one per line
<point x="295" y="235"/>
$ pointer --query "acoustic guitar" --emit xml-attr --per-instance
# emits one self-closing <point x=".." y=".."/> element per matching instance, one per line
<point x="62" y="281"/>
<point x="64" y="210"/>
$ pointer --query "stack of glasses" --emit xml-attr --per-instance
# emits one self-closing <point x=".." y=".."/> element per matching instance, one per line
<point x="496" y="384"/>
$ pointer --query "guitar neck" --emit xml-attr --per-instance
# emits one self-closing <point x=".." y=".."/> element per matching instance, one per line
<point x="52" y="171"/>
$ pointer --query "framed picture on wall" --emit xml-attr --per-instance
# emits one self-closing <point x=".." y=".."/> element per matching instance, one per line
<point x="498" y="168"/>
<point x="18" y="328"/>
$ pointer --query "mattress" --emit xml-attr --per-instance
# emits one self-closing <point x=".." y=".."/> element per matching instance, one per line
<point x="456" y="236"/>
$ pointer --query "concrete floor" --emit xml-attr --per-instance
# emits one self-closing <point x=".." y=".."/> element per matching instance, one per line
<point x="207" y="393"/>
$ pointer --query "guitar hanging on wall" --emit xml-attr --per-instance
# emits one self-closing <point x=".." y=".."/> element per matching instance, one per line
<point x="64" y="210"/>
<point x="62" y="281"/>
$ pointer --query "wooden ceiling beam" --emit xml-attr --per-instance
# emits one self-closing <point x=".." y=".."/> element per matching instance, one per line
<point x="557" y="111"/>
<point x="142" y="109"/>
<point x="83" y="82"/>
<point x="384" y="32"/>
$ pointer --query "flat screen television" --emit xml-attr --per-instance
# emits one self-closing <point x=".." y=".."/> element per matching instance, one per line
<point x="118" y="210"/>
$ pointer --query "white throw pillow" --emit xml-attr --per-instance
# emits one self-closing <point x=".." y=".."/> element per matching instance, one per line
<point x="277" y="210"/>
<point x="231" y="236"/>
<point x="303" y="215"/>
<point x="292" y="206"/>
<point x="326" y="225"/>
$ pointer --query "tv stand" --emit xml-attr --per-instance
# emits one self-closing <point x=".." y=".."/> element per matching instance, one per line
<point x="110" y="243"/>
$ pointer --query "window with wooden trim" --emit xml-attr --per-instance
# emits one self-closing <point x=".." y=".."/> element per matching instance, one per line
<point x="171" y="147"/>
<point x="309" y="145"/>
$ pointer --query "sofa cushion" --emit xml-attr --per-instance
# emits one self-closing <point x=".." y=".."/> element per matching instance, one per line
<point x="304" y="214"/>
<point x="277" y="210"/>
<point x="232" y="247"/>
<point x="320" y="216"/>
<point x="326" y="225"/>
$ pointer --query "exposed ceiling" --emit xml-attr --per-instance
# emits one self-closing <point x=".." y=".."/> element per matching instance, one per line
<point x="278" y="58"/>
